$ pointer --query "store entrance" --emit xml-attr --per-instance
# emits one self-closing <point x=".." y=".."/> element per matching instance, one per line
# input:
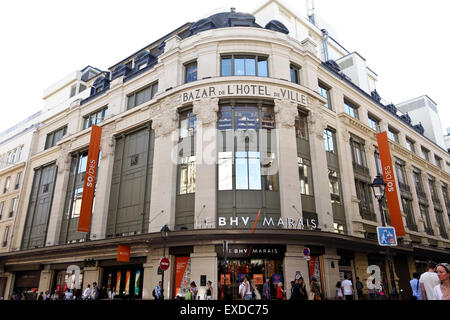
<point x="257" y="262"/>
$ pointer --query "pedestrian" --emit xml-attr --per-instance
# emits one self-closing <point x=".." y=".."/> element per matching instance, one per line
<point x="103" y="293"/>
<point x="158" y="292"/>
<point x="95" y="294"/>
<point x="359" y="289"/>
<point x="245" y="289"/>
<point x="295" y="291"/>
<point x="429" y="280"/>
<point x="47" y="295"/>
<point x="315" y="289"/>
<point x="112" y="293"/>
<point x="256" y="295"/>
<point x="415" y="286"/>
<point x="292" y="290"/>
<point x="194" y="291"/>
<point x="41" y="296"/>
<point x="209" y="291"/>
<point x="339" y="293"/>
<point x="68" y="295"/>
<point x="266" y="289"/>
<point x="347" y="288"/>
<point x="55" y="295"/>
<point x="281" y="293"/>
<point x="442" y="290"/>
<point x="87" y="293"/>
<point x="303" y="291"/>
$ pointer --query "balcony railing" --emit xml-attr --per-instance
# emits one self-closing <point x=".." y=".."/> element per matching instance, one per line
<point x="361" y="169"/>
<point x="404" y="187"/>
<point x="429" y="231"/>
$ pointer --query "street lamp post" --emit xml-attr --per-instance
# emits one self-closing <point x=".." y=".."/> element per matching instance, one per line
<point x="378" y="188"/>
<point x="164" y="233"/>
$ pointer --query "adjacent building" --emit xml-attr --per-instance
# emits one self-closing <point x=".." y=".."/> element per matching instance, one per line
<point x="248" y="136"/>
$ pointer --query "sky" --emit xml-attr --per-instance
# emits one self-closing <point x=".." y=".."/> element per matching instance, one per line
<point x="403" y="41"/>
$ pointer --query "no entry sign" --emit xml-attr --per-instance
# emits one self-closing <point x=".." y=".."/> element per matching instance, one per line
<point x="164" y="263"/>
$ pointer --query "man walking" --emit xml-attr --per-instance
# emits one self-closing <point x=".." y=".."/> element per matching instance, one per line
<point x="87" y="293"/>
<point x="266" y="289"/>
<point x="359" y="289"/>
<point x="95" y="293"/>
<point x="347" y="288"/>
<point x="159" y="291"/>
<point x="429" y="280"/>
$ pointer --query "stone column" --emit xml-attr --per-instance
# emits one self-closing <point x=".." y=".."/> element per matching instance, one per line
<point x="45" y="280"/>
<point x="206" y="162"/>
<point x="59" y="195"/>
<point x="353" y="218"/>
<point x="290" y="199"/>
<point x="309" y="75"/>
<point x="204" y="262"/>
<point x="294" y="261"/>
<point x="320" y="171"/>
<point x="103" y="184"/>
<point x="331" y="272"/>
<point x="151" y="276"/>
<point x="91" y="275"/>
<point x="163" y="195"/>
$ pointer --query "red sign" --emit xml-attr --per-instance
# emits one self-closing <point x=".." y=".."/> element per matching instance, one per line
<point x="84" y="222"/>
<point x="258" y="279"/>
<point x="225" y="279"/>
<point x="123" y="253"/>
<point x="391" y="188"/>
<point x="164" y="263"/>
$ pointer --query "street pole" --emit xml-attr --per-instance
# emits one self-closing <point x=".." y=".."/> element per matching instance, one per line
<point x="388" y="252"/>
<point x="164" y="254"/>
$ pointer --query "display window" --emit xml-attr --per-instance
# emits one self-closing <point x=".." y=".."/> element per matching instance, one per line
<point x="125" y="281"/>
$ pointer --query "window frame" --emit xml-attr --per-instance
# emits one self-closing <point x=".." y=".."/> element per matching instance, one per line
<point x="87" y="123"/>
<point x="327" y="89"/>
<point x="351" y="105"/>
<point x="186" y="66"/>
<point x="393" y="134"/>
<point x="411" y="143"/>
<point x="133" y="95"/>
<point x="372" y="119"/>
<point x="235" y="56"/>
<point x="296" y="68"/>
<point x="51" y="137"/>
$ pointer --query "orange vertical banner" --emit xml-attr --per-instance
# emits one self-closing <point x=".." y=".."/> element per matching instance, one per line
<point x="391" y="187"/>
<point x="84" y="222"/>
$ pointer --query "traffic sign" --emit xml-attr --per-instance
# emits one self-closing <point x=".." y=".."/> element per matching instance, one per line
<point x="386" y="236"/>
<point x="306" y="251"/>
<point x="164" y="263"/>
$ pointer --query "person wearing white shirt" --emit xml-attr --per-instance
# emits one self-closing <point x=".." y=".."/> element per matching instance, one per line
<point x="429" y="280"/>
<point x="347" y="288"/>
<point x="87" y="293"/>
<point x="442" y="290"/>
<point x="68" y="294"/>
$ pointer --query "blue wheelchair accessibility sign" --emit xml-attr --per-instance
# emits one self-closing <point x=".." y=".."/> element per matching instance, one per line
<point x="386" y="236"/>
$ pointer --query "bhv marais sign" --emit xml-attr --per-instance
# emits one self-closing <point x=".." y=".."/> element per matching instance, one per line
<point x="264" y="223"/>
<point x="240" y="89"/>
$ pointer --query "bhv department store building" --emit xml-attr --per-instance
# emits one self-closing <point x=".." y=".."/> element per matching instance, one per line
<point x="231" y="130"/>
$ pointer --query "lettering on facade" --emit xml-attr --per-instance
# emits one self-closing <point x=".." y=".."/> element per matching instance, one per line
<point x="288" y="223"/>
<point x="244" y="90"/>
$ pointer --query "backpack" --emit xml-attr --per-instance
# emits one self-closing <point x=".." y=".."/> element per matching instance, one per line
<point x="154" y="293"/>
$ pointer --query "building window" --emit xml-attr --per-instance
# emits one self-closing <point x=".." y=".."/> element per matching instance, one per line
<point x="426" y="219"/>
<point x="338" y="228"/>
<point x="190" y="72"/>
<point x="13" y="207"/>
<point x="19" y="154"/>
<point x="295" y="73"/>
<point x="5" y="237"/>
<point x="237" y="65"/>
<point x="54" y="137"/>
<point x="432" y="186"/>
<point x="410" y="145"/>
<point x="324" y="91"/>
<point x="358" y="153"/>
<point x="186" y="165"/>
<point x="418" y="182"/>
<point x="376" y="155"/>
<point x="2" y="204"/>
<point x="351" y="109"/>
<point x="19" y="175"/>
<point x="305" y="174"/>
<point x="425" y="153"/>
<point x="374" y="123"/>
<point x="437" y="161"/>
<point x="400" y="171"/>
<point x="73" y="90"/>
<point x="408" y="210"/>
<point x="301" y="126"/>
<point x="364" y="196"/>
<point x="393" y="134"/>
<point x="142" y="95"/>
<point x="329" y="139"/>
<point x="7" y="184"/>
<point x="333" y="180"/>
<point x="95" y="117"/>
